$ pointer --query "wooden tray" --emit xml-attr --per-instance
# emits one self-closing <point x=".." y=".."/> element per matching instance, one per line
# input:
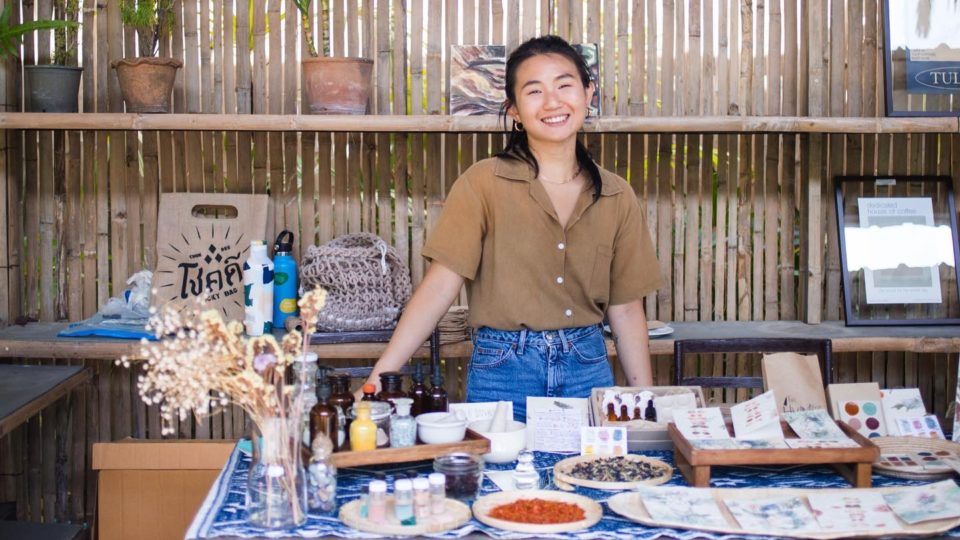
<point x="629" y="505"/>
<point x="912" y="445"/>
<point x="456" y="515"/>
<point x="561" y="471"/>
<point x="591" y="509"/>
<point x="472" y="443"/>
<point x="854" y="464"/>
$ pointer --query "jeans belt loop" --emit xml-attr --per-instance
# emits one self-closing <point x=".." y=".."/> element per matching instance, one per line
<point x="522" y="341"/>
<point x="564" y="340"/>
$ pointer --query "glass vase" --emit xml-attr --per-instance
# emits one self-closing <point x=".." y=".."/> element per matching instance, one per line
<point x="276" y="487"/>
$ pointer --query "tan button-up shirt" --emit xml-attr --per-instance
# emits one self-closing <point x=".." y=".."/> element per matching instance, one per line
<point x="499" y="230"/>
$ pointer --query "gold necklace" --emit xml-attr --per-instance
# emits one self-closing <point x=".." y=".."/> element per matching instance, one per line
<point x="567" y="181"/>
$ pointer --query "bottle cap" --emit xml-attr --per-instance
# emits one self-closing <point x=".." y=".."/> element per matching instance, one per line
<point x="391" y="376"/>
<point x="437" y="479"/>
<point x="403" y="484"/>
<point x="403" y="405"/>
<point x="369" y="388"/>
<point x="378" y="486"/>
<point x="281" y="245"/>
<point x="421" y="483"/>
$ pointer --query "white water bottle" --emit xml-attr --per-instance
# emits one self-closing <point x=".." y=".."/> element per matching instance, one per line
<point x="258" y="290"/>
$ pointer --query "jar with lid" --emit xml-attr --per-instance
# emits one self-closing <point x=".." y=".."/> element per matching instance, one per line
<point x="391" y="386"/>
<point x="403" y="428"/>
<point x="380" y="414"/>
<point x="463" y="472"/>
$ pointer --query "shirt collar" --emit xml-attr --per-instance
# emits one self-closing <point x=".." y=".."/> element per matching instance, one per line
<point x="516" y="169"/>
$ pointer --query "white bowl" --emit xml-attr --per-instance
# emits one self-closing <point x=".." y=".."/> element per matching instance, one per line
<point x="440" y="428"/>
<point x="504" y="445"/>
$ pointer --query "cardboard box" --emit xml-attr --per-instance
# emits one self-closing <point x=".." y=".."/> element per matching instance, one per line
<point x="153" y="488"/>
<point x="641" y="434"/>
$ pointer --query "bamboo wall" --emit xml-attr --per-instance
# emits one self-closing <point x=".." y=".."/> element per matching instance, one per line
<point x="744" y="223"/>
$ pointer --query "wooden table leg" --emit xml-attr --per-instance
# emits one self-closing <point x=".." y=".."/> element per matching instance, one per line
<point x="698" y="476"/>
<point x="858" y="474"/>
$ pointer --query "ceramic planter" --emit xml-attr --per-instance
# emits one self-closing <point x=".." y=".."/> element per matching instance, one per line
<point x="146" y="82"/>
<point x="51" y="88"/>
<point x="336" y="85"/>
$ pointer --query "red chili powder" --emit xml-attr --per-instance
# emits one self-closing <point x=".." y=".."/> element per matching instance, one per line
<point x="538" y="511"/>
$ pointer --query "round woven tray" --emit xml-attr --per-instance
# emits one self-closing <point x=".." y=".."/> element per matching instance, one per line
<point x="912" y="445"/>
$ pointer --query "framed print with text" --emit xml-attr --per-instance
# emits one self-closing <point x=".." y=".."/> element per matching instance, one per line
<point x="922" y="57"/>
<point x="898" y="249"/>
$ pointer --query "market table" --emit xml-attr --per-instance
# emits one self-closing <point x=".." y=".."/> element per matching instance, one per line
<point x="26" y="390"/>
<point x="223" y="513"/>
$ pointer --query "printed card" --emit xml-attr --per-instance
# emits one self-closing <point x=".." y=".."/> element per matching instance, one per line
<point x="704" y="423"/>
<point x="821" y="443"/>
<point x="853" y="510"/>
<point x="841" y="392"/>
<point x="603" y="441"/>
<point x="864" y="416"/>
<point x="814" y="424"/>
<point x="900" y="462"/>
<point x="924" y="503"/>
<point x="783" y="514"/>
<point x="757" y="418"/>
<point x="900" y="403"/>
<point x="927" y="427"/>
<point x="553" y="424"/>
<point x="688" y="506"/>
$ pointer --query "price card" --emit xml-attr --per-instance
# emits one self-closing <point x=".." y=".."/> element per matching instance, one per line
<point x="603" y="441"/>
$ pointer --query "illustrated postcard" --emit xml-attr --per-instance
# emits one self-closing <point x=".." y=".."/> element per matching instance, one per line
<point x="900" y="403"/>
<point x="704" y="423"/>
<point x="924" y="503"/>
<point x="814" y="424"/>
<point x="757" y="418"/>
<point x="855" y="510"/>
<point x="689" y="506"/>
<point x="783" y="514"/>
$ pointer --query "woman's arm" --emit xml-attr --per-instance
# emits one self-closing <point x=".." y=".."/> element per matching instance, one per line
<point x="439" y="288"/>
<point x="629" y="325"/>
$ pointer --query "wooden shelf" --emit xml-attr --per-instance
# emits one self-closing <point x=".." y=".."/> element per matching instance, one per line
<point x="468" y="124"/>
<point x="38" y="340"/>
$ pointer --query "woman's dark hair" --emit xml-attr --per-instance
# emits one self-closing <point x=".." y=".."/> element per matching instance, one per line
<point x="517" y="146"/>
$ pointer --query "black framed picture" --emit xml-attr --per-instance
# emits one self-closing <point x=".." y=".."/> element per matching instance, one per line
<point x="898" y="249"/>
<point x="922" y="57"/>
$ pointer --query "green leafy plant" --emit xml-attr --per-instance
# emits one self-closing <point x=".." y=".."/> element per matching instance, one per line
<point x="65" y="39"/>
<point x="304" y="7"/>
<point x="151" y="19"/>
<point x="11" y="36"/>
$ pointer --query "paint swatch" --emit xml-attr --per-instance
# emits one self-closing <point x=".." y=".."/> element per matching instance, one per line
<point x="927" y="427"/>
<point x="864" y="416"/>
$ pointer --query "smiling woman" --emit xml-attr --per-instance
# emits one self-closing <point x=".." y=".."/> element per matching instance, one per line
<point x="547" y="243"/>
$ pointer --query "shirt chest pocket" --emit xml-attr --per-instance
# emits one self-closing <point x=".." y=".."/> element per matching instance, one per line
<point x="600" y="277"/>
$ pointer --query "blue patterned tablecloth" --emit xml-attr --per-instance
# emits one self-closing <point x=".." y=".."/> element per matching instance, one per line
<point x="224" y="514"/>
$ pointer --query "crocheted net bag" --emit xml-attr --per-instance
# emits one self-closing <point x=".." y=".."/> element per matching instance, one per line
<point x="367" y="282"/>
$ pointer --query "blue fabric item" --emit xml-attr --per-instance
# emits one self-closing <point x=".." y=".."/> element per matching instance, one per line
<point x="511" y="365"/>
<point x="100" y="326"/>
<point x="224" y="513"/>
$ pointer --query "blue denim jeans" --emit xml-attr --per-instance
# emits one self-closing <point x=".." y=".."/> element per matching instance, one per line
<point x="509" y="365"/>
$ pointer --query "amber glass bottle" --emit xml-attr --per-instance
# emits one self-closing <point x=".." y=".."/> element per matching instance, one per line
<point x="391" y="386"/>
<point x="437" y="398"/>
<point x="323" y="416"/>
<point x="342" y="399"/>
<point x="418" y="391"/>
<point x="369" y="394"/>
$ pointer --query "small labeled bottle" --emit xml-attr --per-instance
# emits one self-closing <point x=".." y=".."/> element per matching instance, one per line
<point x="391" y="386"/>
<point x="377" y="500"/>
<point x="369" y="392"/>
<point x="403" y="501"/>
<point x="403" y="427"/>
<point x="525" y="475"/>
<point x="363" y="431"/>
<point x="438" y="493"/>
<point x="418" y="391"/>
<point x="323" y="416"/>
<point x="626" y="406"/>
<point x="258" y="291"/>
<point x="421" y="497"/>
<point x="284" y="280"/>
<point x="437" y="397"/>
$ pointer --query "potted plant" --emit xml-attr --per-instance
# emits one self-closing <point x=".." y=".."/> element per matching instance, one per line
<point x="44" y="93"/>
<point x="147" y="80"/>
<point x="332" y="85"/>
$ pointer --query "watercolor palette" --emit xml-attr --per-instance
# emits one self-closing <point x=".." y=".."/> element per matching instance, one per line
<point x="864" y="416"/>
<point x="921" y="426"/>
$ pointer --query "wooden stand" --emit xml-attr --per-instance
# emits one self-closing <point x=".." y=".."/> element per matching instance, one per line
<point x="472" y="443"/>
<point x="854" y="464"/>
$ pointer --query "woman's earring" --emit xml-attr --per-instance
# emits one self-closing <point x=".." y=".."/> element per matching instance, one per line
<point x="517" y="126"/>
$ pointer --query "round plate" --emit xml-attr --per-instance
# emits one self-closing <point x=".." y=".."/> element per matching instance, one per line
<point x="660" y="332"/>
<point x="562" y="470"/>
<point x="914" y="445"/>
<point x="456" y="515"/>
<point x="591" y="510"/>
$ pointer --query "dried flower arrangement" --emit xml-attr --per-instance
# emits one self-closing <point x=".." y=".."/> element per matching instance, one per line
<point x="201" y="363"/>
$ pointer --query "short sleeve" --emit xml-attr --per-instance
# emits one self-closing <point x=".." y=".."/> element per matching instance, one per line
<point x="457" y="240"/>
<point x="634" y="272"/>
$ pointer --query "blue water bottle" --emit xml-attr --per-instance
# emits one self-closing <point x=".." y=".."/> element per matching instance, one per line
<point x="284" y="280"/>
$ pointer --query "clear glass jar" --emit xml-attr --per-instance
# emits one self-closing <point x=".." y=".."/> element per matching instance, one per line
<point x="438" y="493"/>
<point x="403" y="427"/>
<point x="403" y="501"/>
<point x="463" y="472"/>
<point x="380" y="414"/>
<point x="525" y="475"/>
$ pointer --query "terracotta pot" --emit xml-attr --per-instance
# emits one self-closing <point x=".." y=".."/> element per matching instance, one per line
<point x="51" y="88"/>
<point x="336" y="85"/>
<point x="146" y="82"/>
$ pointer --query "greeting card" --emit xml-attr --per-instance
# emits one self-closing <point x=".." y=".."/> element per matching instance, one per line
<point x="838" y="392"/>
<point x="704" y="423"/>
<point x="900" y="403"/>
<point x="690" y="506"/>
<point x="864" y="416"/>
<point x="927" y="427"/>
<point x="757" y="418"/>
<point x="814" y="424"/>
<point x="779" y="514"/>
<point x="853" y="510"/>
<point x="924" y="503"/>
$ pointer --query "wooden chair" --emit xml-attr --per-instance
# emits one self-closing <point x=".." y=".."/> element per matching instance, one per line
<point x="684" y="347"/>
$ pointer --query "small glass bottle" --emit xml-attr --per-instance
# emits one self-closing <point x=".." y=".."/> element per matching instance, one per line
<point x="626" y="406"/>
<point x="464" y="473"/>
<point x="421" y="497"/>
<point x="363" y="431"/>
<point x="438" y="493"/>
<point x="403" y="501"/>
<point x="525" y="475"/>
<point x="650" y="413"/>
<point x="369" y="392"/>
<point x="323" y="416"/>
<point x="377" y="501"/>
<point x="403" y="427"/>
<point x="391" y="386"/>
<point x="322" y="477"/>
<point x="418" y="391"/>
<point x="342" y="399"/>
<point x="437" y="398"/>
<point x="612" y="411"/>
